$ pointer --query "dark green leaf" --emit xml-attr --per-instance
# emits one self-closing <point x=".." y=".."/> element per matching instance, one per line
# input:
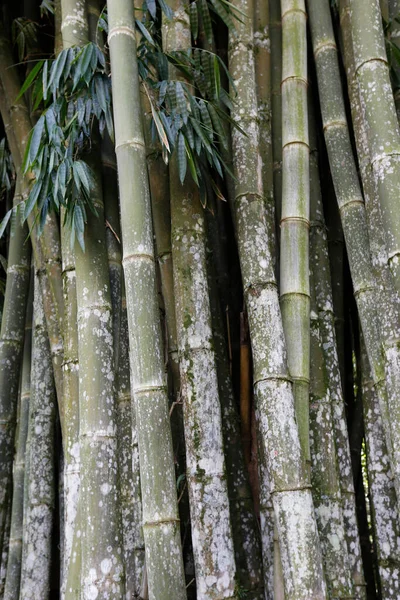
<point x="30" y="79"/>
<point x="182" y="162"/>
<point x="4" y="222"/>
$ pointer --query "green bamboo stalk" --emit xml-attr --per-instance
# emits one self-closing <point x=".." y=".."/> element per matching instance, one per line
<point x="294" y="246"/>
<point x="11" y="346"/>
<point x="245" y="530"/>
<point x="379" y="115"/>
<point x="160" y="513"/>
<point x="74" y="31"/>
<point x="326" y="326"/>
<point x="128" y="456"/>
<point x="38" y="524"/>
<point x="47" y="248"/>
<point x="324" y="467"/>
<point x="262" y="60"/>
<point x="277" y="427"/>
<point x="382" y="491"/>
<point x="212" y="540"/>
<point x="12" y="584"/>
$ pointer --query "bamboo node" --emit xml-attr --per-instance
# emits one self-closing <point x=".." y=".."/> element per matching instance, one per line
<point x="134" y="142"/>
<point x="294" y="78"/>
<point x="124" y="30"/>
<point x="329" y="45"/>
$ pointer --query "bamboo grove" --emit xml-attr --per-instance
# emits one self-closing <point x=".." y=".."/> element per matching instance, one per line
<point x="200" y="299"/>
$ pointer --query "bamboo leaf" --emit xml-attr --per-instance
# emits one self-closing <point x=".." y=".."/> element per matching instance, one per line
<point x="182" y="162"/>
<point x="5" y="221"/>
<point x="152" y="7"/>
<point x="191" y="161"/>
<point x="30" y="79"/>
<point x="144" y="32"/>
<point x="194" y="20"/>
<point x="205" y="14"/>
<point x="36" y="139"/>
<point x="32" y="198"/>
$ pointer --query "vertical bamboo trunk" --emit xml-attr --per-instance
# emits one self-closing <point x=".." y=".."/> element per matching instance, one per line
<point x="12" y="584"/>
<point x="381" y="300"/>
<point x="102" y="567"/>
<point x="74" y="31"/>
<point x="128" y="456"/>
<point x="262" y="61"/>
<point x="245" y="531"/>
<point x="349" y="197"/>
<point x="324" y="308"/>
<point x="324" y="469"/>
<point x="379" y="115"/>
<point x="206" y="471"/>
<point x="277" y="428"/>
<point x="38" y="520"/>
<point x="11" y="345"/>
<point x="276" y="103"/>
<point x="160" y="513"/>
<point x="6" y="549"/>
<point x="294" y="246"/>
<point x="382" y="491"/>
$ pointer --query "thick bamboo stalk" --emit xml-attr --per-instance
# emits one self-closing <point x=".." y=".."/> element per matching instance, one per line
<point x="5" y="549"/>
<point x="245" y="530"/>
<point x="382" y="491"/>
<point x="12" y="584"/>
<point x="11" y="345"/>
<point x="385" y="309"/>
<point x="102" y="565"/>
<point x="206" y="470"/>
<point x="262" y="61"/>
<point x="38" y="520"/>
<point x="160" y="513"/>
<point x="128" y="456"/>
<point x="324" y="306"/>
<point x="349" y="197"/>
<point x="294" y="246"/>
<point x="379" y="114"/>
<point x="324" y="468"/>
<point x="277" y="427"/>
<point x="74" y="32"/>
<point x="276" y="103"/>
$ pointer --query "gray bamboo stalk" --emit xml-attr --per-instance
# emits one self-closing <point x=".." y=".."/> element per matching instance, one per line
<point x="74" y="31"/>
<point x="277" y="427"/>
<point x="206" y="470"/>
<point x="262" y="60"/>
<point x="129" y="473"/>
<point x="102" y="564"/>
<point x="266" y="516"/>
<point x="38" y="524"/>
<point x="380" y="329"/>
<point x="347" y="188"/>
<point x="324" y="468"/>
<point x="47" y="248"/>
<point x="383" y="495"/>
<point x="13" y="577"/>
<point x="326" y="326"/>
<point x="379" y="114"/>
<point x="268" y="530"/>
<point x="160" y="512"/>
<point x="11" y="346"/>
<point x="245" y="529"/>
<point x="294" y="245"/>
